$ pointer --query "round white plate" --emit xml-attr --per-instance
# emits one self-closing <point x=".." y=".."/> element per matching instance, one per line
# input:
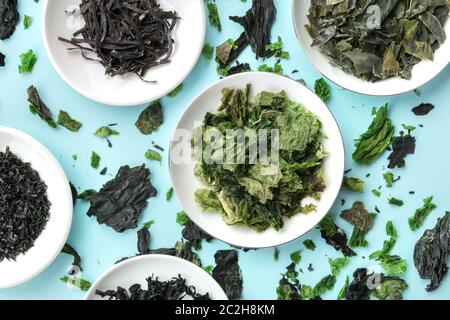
<point x="137" y="269"/>
<point x="185" y="183"/>
<point x="50" y="242"/>
<point x="88" y="77"/>
<point x="421" y="73"/>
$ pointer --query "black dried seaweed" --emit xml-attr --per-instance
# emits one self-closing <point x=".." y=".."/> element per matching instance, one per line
<point x="9" y="17"/>
<point x="228" y="51"/>
<point x="257" y="23"/>
<point x="423" y="109"/>
<point x="68" y="249"/>
<point x="150" y="119"/>
<point x="24" y="206"/>
<point x="2" y="60"/>
<point x="192" y="233"/>
<point x="174" y="289"/>
<point x="38" y="107"/>
<point x="121" y="200"/>
<point x="228" y="273"/>
<point x="74" y="193"/>
<point x="239" y="68"/>
<point x="143" y="240"/>
<point x="335" y="236"/>
<point x="431" y="253"/>
<point x="378" y="39"/>
<point x="401" y="147"/>
<point x="126" y="36"/>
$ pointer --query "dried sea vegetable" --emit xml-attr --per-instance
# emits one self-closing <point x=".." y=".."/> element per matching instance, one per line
<point x="68" y="249"/>
<point x="150" y="119"/>
<point x="228" y="273"/>
<point x="378" y="39"/>
<point x="261" y="195"/>
<point x="174" y="289"/>
<point x="121" y="200"/>
<point x="125" y="37"/>
<point x="358" y="216"/>
<point x="432" y="251"/>
<point x="37" y="106"/>
<point x="65" y="120"/>
<point x="417" y="220"/>
<point x="192" y="233"/>
<point x="371" y="144"/>
<point x="353" y="184"/>
<point x="9" y="17"/>
<point x="2" y="60"/>
<point x="423" y="109"/>
<point x="402" y="146"/>
<point x="335" y="236"/>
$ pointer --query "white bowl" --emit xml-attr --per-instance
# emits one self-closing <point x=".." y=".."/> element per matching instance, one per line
<point x="421" y="73"/>
<point x="88" y="77"/>
<point x="137" y="269"/>
<point x="185" y="183"/>
<point x="52" y="239"/>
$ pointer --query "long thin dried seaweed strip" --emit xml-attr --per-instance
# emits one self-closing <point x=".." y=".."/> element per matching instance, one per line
<point x="126" y="36"/>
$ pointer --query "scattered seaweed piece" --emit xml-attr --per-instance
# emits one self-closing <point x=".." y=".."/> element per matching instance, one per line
<point x="402" y="146"/>
<point x="417" y="220"/>
<point x="150" y="119"/>
<point x="126" y="37"/>
<point x="192" y="233"/>
<point x="82" y="284"/>
<point x="65" y="120"/>
<point x="37" y="106"/>
<point x="27" y="61"/>
<point x="2" y="60"/>
<point x="228" y="273"/>
<point x="357" y="239"/>
<point x="335" y="236"/>
<point x="68" y="249"/>
<point x="9" y="17"/>
<point x="121" y="200"/>
<point x="431" y="253"/>
<point x="353" y="184"/>
<point x="423" y="109"/>
<point x="358" y="216"/>
<point x="322" y="89"/>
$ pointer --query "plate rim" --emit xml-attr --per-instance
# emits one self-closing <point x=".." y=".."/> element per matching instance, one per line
<point x="243" y="74"/>
<point x="42" y="149"/>
<point x="105" y="101"/>
<point x="309" y="58"/>
<point x="138" y="258"/>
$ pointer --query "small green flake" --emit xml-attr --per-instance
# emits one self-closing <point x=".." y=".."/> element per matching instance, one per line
<point x="276" y="254"/>
<point x="208" y="52"/>
<point x="309" y="244"/>
<point x="169" y="194"/>
<point x="182" y="218"/>
<point x="27" y="62"/>
<point x="105" y="132"/>
<point x="81" y="284"/>
<point x="296" y="257"/>
<point x="396" y="202"/>
<point x="27" y="21"/>
<point x="175" y="91"/>
<point x="214" y="17"/>
<point x="322" y="89"/>
<point x="95" y="160"/>
<point x="152" y="155"/>
<point x="148" y="224"/>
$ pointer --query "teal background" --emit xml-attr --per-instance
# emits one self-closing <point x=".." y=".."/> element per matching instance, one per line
<point x="427" y="172"/>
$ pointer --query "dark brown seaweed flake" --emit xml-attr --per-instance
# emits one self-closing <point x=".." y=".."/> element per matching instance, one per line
<point x="358" y="216"/>
<point x="228" y="273"/>
<point x="68" y="249"/>
<point x="431" y="253"/>
<point x="37" y="106"/>
<point x="120" y="201"/>
<point x="2" y="60"/>
<point x="192" y="233"/>
<point x="423" y="109"/>
<point x="24" y="206"/>
<point x="9" y="17"/>
<point x="150" y="119"/>
<point x="401" y="147"/>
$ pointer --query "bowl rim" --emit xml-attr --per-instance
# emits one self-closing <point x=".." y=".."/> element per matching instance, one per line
<point x="105" y="101"/>
<point x="305" y="53"/>
<point x="250" y="73"/>
<point x="137" y="259"/>
<point x="58" y="170"/>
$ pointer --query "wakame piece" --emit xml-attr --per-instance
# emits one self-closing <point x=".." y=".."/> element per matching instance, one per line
<point x="125" y="36"/>
<point x="9" y="17"/>
<point x="24" y="206"/>
<point x="378" y="39"/>
<point x="120" y="201"/>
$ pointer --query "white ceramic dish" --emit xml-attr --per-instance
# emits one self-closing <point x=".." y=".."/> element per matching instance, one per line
<point x="137" y="269"/>
<point x="50" y="242"/>
<point x="421" y="73"/>
<point x="88" y="77"/>
<point x="185" y="183"/>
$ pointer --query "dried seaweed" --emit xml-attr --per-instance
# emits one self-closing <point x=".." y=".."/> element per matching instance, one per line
<point x="192" y="233"/>
<point x="120" y="201"/>
<point x="174" y="289"/>
<point x="24" y="206"/>
<point x="9" y="17"/>
<point x="68" y="249"/>
<point x="2" y="60"/>
<point x="432" y="251"/>
<point x="126" y="36"/>
<point x="335" y="236"/>
<point x="378" y="39"/>
<point x="402" y="146"/>
<point x="228" y="273"/>
<point x="358" y="216"/>
<point x="37" y="106"/>
<point x="150" y="119"/>
<point x="422" y="109"/>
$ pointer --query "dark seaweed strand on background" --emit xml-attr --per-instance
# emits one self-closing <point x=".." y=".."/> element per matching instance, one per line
<point x="121" y="200"/>
<point x="24" y="206"/>
<point x="126" y="36"/>
<point x="401" y="147"/>
<point x="431" y="253"/>
<point x="2" y="60"/>
<point x="143" y="240"/>
<point x="9" y="17"/>
<point x="239" y="68"/>
<point x="335" y="236"/>
<point x="68" y="249"/>
<point x="422" y="109"/>
<point x="37" y="106"/>
<point x="192" y="233"/>
<point x="228" y="273"/>
<point x="174" y="289"/>
<point x="227" y="52"/>
<point x="74" y="193"/>
<point x="257" y="23"/>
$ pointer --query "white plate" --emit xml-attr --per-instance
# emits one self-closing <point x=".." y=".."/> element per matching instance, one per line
<point x="50" y="242"/>
<point x="421" y="73"/>
<point x="137" y="269"/>
<point x="185" y="183"/>
<point x="88" y="77"/>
